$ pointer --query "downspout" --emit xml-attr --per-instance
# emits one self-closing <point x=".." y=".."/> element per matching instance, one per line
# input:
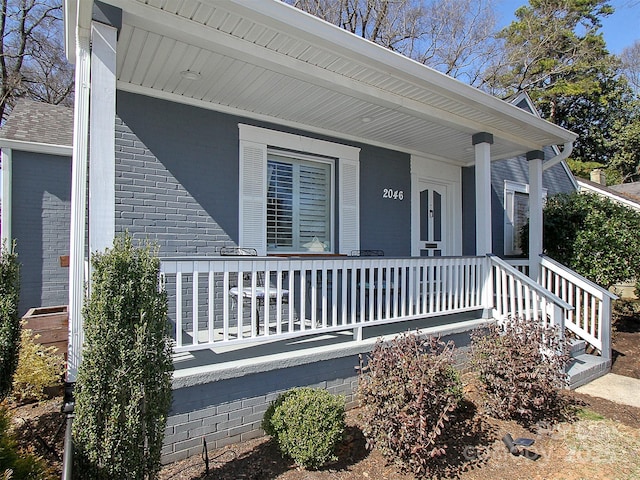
<point x="563" y="155"/>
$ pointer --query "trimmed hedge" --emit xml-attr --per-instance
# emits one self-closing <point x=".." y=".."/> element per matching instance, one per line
<point x="123" y="390"/>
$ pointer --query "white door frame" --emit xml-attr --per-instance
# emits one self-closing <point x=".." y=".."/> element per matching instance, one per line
<point x="424" y="170"/>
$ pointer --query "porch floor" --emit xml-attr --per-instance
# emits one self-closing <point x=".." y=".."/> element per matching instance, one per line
<point x="219" y="363"/>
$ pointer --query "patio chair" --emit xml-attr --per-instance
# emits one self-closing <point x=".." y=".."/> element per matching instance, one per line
<point x="260" y="291"/>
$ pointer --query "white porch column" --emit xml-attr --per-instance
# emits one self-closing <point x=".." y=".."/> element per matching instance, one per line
<point x="78" y="200"/>
<point x="482" y="142"/>
<point x="102" y="132"/>
<point x="535" y="158"/>
<point x="6" y="196"/>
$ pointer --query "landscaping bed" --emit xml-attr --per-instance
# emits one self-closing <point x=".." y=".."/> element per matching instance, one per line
<point x="602" y="443"/>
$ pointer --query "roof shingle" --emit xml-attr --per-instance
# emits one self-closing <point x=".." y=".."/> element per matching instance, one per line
<point x="38" y="122"/>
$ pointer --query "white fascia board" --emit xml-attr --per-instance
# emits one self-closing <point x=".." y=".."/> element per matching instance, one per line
<point x="77" y="14"/>
<point x="69" y="9"/>
<point x="315" y="30"/>
<point x="35" y="147"/>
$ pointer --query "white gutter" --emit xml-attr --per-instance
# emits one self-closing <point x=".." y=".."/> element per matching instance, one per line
<point x="566" y="151"/>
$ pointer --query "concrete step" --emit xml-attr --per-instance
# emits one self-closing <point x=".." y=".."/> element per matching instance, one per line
<point x="578" y="347"/>
<point x="584" y="368"/>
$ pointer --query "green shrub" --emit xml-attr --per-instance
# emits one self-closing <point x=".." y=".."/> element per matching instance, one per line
<point x="15" y="464"/>
<point x="595" y="236"/>
<point x="123" y="390"/>
<point x="521" y="365"/>
<point x="408" y="391"/>
<point x="38" y="367"/>
<point x="307" y="424"/>
<point x="9" y="320"/>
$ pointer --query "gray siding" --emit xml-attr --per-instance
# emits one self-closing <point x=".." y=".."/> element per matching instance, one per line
<point x="555" y="180"/>
<point x="177" y="179"/>
<point x="41" y="210"/>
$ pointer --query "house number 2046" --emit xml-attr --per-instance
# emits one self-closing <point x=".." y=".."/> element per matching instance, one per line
<point x="392" y="194"/>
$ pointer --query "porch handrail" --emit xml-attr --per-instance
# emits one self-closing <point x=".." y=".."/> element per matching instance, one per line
<point x="304" y="296"/>
<point x="517" y="295"/>
<point x="590" y="317"/>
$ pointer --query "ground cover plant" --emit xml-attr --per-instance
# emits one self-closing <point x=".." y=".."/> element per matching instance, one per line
<point x="521" y="366"/>
<point x="408" y="391"/>
<point x="123" y="390"/>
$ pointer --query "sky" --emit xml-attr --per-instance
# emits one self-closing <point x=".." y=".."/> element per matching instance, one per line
<point x="620" y="29"/>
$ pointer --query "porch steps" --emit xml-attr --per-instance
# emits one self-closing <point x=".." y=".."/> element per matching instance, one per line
<point x="584" y="367"/>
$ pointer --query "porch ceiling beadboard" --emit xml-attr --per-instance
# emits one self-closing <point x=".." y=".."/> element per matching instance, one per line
<point x="270" y="61"/>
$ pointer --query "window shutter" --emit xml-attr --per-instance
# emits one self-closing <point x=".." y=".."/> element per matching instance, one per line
<point x="253" y="196"/>
<point x="349" y="205"/>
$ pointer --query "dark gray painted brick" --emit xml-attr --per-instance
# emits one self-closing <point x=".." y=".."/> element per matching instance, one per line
<point x="41" y="213"/>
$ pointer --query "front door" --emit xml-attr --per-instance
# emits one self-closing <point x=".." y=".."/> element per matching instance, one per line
<point x="433" y="219"/>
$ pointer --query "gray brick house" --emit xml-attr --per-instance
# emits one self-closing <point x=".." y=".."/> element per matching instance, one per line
<point x="36" y="149"/>
<point x="254" y="125"/>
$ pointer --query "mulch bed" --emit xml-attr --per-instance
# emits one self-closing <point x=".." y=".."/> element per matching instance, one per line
<point x="476" y="455"/>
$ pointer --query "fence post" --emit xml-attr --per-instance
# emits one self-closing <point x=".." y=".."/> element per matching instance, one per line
<point x="605" y="327"/>
<point x="487" y="289"/>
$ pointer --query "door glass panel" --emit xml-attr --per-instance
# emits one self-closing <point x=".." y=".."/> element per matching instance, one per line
<point x="437" y="217"/>
<point x="424" y="215"/>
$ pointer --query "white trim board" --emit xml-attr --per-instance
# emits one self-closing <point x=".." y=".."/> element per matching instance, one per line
<point x="36" y="147"/>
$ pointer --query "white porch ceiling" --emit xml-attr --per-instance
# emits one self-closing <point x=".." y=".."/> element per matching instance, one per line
<point x="264" y="59"/>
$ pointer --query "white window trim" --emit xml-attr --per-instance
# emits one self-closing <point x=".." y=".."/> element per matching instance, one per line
<point x="257" y="140"/>
<point x="510" y="189"/>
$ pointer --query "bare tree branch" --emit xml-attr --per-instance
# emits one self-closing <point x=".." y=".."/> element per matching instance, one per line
<point x="32" y="61"/>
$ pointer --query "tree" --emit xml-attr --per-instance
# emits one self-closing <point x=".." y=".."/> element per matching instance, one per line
<point x="598" y="116"/>
<point x="452" y="36"/>
<point x="596" y="237"/>
<point x="32" y="62"/>
<point x="553" y="48"/>
<point x="630" y="58"/>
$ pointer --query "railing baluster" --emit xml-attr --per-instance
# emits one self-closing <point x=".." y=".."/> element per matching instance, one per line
<point x="211" y="304"/>
<point x="225" y="305"/>
<point x="179" y="307"/>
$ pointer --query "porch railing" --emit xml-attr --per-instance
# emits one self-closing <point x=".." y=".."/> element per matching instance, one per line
<point x="217" y="301"/>
<point x="517" y="295"/>
<point x="590" y="317"/>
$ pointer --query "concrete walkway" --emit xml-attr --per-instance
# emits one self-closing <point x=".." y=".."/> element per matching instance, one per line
<point x="616" y="388"/>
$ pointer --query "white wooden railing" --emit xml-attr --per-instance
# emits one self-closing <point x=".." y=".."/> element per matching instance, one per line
<point x="517" y="295"/>
<point x="590" y="317"/>
<point x="232" y="300"/>
<point x="311" y="296"/>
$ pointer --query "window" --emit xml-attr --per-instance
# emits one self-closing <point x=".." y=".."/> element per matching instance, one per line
<point x="516" y="214"/>
<point x="299" y="204"/>
<point x="288" y="193"/>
